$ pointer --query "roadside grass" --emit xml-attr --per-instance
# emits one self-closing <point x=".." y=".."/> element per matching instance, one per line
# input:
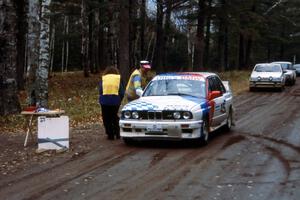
<point x="71" y="92"/>
<point x="78" y="96"/>
<point x="239" y="80"/>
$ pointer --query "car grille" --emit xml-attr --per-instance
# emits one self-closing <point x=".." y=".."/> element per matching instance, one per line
<point x="150" y="115"/>
<point x="265" y="79"/>
<point x="160" y="115"/>
<point x="157" y="115"/>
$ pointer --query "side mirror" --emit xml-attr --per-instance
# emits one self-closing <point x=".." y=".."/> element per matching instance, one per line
<point x="214" y="94"/>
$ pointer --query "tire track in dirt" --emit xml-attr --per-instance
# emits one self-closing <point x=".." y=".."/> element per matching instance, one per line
<point x="158" y="176"/>
<point x="255" y="114"/>
<point x="56" y="165"/>
<point x="285" y="163"/>
<point x="277" y="141"/>
<point x="157" y="158"/>
<point x="233" y="140"/>
<point x="84" y="165"/>
<point x="87" y="170"/>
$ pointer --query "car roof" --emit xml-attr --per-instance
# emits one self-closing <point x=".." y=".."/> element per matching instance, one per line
<point x="267" y="64"/>
<point x="262" y="64"/>
<point x="282" y="62"/>
<point x="203" y="74"/>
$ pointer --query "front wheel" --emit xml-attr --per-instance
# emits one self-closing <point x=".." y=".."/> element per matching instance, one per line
<point x="229" y="121"/>
<point x="204" y="133"/>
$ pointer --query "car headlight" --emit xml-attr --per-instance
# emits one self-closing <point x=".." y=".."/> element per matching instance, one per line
<point x="277" y="79"/>
<point x="176" y="115"/>
<point x="270" y="78"/>
<point x="127" y="114"/>
<point x="252" y="79"/>
<point x="259" y="78"/>
<point x="187" y="115"/>
<point x="135" y="115"/>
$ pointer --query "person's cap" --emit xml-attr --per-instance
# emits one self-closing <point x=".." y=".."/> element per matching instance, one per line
<point x="145" y="64"/>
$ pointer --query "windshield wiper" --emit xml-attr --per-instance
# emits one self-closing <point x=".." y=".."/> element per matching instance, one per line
<point x="182" y="94"/>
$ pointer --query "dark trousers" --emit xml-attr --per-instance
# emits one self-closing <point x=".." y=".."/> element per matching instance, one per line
<point x="111" y="120"/>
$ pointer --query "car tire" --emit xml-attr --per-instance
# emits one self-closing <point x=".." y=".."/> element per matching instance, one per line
<point x="229" y="121"/>
<point x="251" y="89"/>
<point x="128" y="141"/>
<point x="204" y="133"/>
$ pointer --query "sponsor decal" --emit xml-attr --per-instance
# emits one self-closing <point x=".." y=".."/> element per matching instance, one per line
<point x="182" y="77"/>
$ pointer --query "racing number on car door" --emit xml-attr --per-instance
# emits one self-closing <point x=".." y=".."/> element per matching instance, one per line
<point x="219" y="114"/>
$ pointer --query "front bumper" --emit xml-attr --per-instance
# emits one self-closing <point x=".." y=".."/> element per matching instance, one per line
<point x="266" y="84"/>
<point x="161" y="129"/>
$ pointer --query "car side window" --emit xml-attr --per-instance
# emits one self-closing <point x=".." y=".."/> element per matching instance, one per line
<point x="219" y="84"/>
<point x="211" y="84"/>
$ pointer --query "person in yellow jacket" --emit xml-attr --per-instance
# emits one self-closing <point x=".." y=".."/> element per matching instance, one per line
<point x="111" y="93"/>
<point x="137" y="81"/>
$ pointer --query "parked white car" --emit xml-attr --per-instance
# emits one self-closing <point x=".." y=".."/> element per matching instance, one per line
<point x="289" y="72"/>
<point x="178" y="106"/>
<point x="267" y="75"/>
<point x="297" y="68"/>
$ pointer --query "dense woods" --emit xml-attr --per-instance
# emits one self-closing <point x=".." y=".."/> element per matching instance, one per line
<point x="41" y="37"/>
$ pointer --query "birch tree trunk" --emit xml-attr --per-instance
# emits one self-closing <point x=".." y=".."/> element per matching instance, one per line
<point x="190" y="47"/>
<point x="158" y="59"/>
<point x="43" y="68"/>
<point x="84" y="38"/>
<point x="32" y="50"/>
<point x="9" y="102"/>
<point x="199" y="45"/>
<point x="207" y="34"/>
<point x="65" y="45"/>
<point x="52" y="49"/>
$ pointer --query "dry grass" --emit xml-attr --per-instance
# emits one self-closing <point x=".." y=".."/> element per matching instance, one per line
<point x="239" y="80"/>
<point x="78" y="96"/>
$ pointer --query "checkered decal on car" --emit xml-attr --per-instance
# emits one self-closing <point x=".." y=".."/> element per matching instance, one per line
<point x="140" y="105"/>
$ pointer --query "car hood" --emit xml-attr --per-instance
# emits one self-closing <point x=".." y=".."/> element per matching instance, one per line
<point x="266" y="74"/>
<point x="289" y="72"/>
<point x="158" y="103"/>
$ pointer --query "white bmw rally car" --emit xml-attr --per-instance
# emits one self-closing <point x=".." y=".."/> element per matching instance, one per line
<point x="178" y="106"/>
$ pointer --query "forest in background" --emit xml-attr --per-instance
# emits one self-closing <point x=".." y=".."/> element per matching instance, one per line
<point x="38" y="37"/>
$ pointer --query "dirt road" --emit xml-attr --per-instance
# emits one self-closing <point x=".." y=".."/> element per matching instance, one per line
<point x="259" y="159"/>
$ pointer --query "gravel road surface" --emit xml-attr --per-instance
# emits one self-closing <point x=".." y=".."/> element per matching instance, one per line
<point x="259" y="159"/>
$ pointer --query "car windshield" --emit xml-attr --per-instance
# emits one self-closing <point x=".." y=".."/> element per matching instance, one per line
<point x="285" y="66"/>
<point x="182" y="87"/>
<point x="267" y="68"/>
